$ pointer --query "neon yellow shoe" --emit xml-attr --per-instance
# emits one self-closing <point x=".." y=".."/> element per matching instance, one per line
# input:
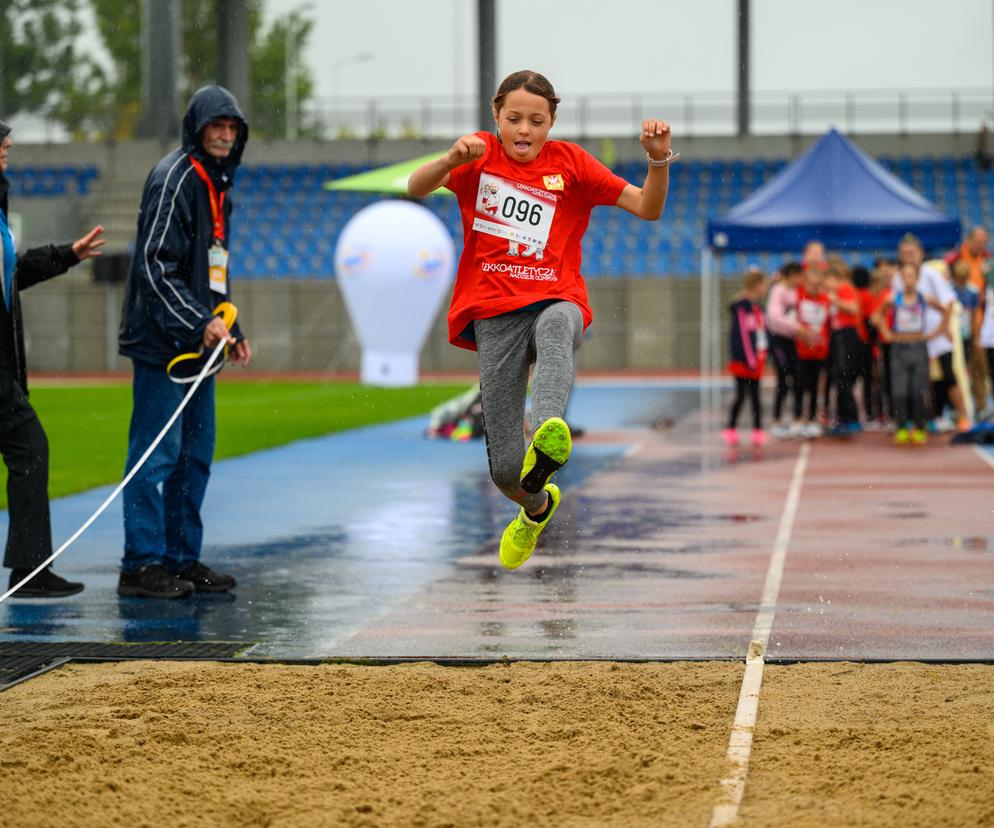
<point x="519" y="538"/>
<point x="919" y="437"/>
<point x="902" y="436"/>
<point x="548" y="452"/>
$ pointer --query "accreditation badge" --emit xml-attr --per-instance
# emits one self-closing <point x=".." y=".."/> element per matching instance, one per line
<point x="217" y="268"/>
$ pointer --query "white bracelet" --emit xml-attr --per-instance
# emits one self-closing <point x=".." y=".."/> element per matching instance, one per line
<point x="663" y="162"/>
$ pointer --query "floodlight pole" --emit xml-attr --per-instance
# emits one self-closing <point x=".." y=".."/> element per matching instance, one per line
<point x="232" y="52"/>
<point x="487" y="49"/>
<point x="743" y="101"/>
<point x="160" y="69"/>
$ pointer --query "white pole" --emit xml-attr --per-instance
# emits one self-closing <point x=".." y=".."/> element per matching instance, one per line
<point x="706" y="357"/>
<point x="717" y="356"/>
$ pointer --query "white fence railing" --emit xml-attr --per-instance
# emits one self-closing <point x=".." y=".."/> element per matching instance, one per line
<point x="696" y="114"/>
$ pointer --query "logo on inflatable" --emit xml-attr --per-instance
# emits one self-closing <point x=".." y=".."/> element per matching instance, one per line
<point x="355" y="261"/>
<point x="431" y="264"/>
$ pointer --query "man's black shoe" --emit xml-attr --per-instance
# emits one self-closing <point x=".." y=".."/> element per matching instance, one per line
<point x="205" y="579"/>
<point x="152" y="581"/>
<point x="46" y="584"/>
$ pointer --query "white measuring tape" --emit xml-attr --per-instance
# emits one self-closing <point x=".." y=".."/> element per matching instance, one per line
<point x="204" y="373"/>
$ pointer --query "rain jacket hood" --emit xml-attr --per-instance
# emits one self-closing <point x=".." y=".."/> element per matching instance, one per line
<point x="208" y="104"/>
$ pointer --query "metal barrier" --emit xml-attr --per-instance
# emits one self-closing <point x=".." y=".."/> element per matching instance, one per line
<point x="693" y="114"/>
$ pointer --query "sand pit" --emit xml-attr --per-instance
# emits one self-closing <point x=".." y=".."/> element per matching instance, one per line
<point x="184" y="744"/>
<point x="194" y="744"/>
<point x="873" y="745"/>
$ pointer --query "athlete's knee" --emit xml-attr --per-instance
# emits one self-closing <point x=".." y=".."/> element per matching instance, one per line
<point x="562" y="322"/>
<point x="508" y="480"/>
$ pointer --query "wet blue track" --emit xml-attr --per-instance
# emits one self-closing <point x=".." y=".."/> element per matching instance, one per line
<point x="325" y="536"/>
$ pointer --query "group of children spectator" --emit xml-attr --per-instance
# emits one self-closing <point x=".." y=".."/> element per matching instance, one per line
<point x="896" y="334"/>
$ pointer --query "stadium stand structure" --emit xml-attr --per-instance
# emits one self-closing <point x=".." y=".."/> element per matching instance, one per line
<point x="288" y="223"/>
<point x="52" y="181"/>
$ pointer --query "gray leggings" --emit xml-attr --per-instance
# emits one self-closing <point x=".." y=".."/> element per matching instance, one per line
<point x="909" y="382"/>
<point x="506" y="346"/>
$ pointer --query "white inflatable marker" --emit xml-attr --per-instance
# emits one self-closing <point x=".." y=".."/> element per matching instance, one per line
<point x="394" y="262"/>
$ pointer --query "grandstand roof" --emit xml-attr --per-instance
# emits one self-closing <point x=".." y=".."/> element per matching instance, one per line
<point x="837" y="194"/>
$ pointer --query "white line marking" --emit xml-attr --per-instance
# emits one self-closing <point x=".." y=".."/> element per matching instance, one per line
<point x="631" y="451"/>
<point x="740" y="742"/>
<point x="983" y="455"/>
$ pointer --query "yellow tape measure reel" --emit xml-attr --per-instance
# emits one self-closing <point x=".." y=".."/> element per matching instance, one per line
<point x="228" y="313"/>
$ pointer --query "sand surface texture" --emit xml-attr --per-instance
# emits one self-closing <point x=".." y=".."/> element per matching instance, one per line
<point x="186" y="744"/>
<point x="183" y="744"/>
<point x="873" y="745"/>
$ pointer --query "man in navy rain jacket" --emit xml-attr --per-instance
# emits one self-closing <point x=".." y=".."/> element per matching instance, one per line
<point x="179" y="275"/>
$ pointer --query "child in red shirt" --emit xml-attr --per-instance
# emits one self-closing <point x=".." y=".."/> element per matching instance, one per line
<point x="519" y="296"/>
<point x="845" y="344"/>
<point x="812" y="346"/>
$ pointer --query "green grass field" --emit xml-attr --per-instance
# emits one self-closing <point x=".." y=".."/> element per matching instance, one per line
<point x="87" y="425"/>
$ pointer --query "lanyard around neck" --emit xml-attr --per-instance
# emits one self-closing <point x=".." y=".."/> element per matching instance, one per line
<point x="217" y="202"/>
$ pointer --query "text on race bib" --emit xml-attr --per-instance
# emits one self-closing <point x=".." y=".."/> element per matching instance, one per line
<point x="514" y="211"/>
<point x="812" y="314"/>
<point x="909" y="320"/>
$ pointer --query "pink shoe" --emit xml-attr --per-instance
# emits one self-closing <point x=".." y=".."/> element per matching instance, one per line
<point x="758" y="437"/>
<point x="730" y="436"/>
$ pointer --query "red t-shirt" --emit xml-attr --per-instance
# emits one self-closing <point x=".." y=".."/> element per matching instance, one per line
<point x="843" y="319"/>
<point x="813" y="313"/>
<point x="522" y="225"/>
<point x="869" y="304"/>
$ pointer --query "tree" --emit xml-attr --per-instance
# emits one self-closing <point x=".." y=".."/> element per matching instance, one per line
<point x="40" y="58"/>
<point x="44" y="70"/>
<point x="269" y="60"/>
<point x="117" y="91"/>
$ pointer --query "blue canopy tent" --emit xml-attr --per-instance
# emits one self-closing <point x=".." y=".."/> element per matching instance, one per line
<point x="835" y="193"/>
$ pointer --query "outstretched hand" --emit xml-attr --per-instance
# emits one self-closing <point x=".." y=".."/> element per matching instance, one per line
<point x="89" y="246"/>
<point x="655" y="138"/>
<point x="466" y="149"/>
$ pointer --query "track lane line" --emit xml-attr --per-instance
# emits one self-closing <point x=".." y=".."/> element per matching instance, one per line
<point x="740" y="741"/>
<point x="983" y="455"/>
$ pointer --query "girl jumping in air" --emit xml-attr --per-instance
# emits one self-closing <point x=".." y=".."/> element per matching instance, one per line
<point x="519" y="297"/>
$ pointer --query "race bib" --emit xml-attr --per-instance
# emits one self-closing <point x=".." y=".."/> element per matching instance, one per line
<point x="812" y="313"/>
<point x="761" y="343"/>
<point x="514" y="211"/>
<point x="908" y="320"/>
<point x="217" y="269"/>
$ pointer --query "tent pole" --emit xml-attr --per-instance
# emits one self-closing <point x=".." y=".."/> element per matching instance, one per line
<point x="706" y="358"/>
<point x="714" y="309"/>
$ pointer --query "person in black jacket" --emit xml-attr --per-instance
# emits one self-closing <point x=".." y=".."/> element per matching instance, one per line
<point x="23" y="443"/>
<point x="178" y="276"/>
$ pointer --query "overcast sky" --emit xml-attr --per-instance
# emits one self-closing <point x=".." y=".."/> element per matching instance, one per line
<point x="427" y="47"/>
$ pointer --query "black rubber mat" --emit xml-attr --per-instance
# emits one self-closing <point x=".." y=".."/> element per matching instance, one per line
<point x="15" y="669"/>
<point x="20" y="660"/>
<point x="115" y="649"/>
